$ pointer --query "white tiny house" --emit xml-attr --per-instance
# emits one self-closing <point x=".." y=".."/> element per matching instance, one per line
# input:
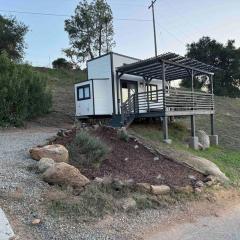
<point x="102" y="94"/>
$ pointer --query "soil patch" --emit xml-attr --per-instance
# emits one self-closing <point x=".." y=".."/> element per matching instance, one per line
<point x="131" y="160"/>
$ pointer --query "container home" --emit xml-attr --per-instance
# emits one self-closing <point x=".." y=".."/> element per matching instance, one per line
<point x="125" y="88"/>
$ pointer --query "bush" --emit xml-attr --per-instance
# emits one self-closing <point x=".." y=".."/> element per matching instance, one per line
<point x="91" y="147"/>
<point x="122" y="134"/>
<point x="23" y="93"/>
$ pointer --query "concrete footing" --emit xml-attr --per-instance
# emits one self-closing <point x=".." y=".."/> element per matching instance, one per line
<point x="213" y="140"/>
<point x="194" y="143"/>
<point x="167" y="141"/>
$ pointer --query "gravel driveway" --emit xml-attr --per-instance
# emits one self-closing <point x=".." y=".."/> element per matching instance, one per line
<point x="22" y="197"/>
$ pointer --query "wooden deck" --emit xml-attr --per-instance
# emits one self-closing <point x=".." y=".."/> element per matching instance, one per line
<point x="173" y="102"/>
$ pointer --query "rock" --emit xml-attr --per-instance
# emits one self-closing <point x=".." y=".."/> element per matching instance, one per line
<point x="45" y="163"/>
<point x="160" y="177"/>
<point x="186" y="189"/>
<point x="198" y="190"/>
<point x="143" y="187"/>
<point x="210" y="178"/>
<point x="98" y="180"/>
<point x="128" y="204"/>
<point x="36" y="221"/>
<point x="192" y="178"/>
<point x="95" y="127"/>
<point x="199" y="184"/>
<point x="65" y="174"/>
<point x="156" y="159"/>
<point x="56" y="152"/>
<point x="136" y="146"/>
<point x="159" y="190"/>
<point x="203" y="139"/>
<point x="126" y="159"/>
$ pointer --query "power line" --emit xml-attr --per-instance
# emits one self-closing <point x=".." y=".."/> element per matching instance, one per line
<point x="64" y="15"/>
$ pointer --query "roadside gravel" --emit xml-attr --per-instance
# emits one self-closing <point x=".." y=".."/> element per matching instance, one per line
<point x="23" y="198"/>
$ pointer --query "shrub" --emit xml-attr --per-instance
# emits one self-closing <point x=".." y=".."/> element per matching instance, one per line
<point x="91" y="147"/>
<point x="23" y="93"/>
<point x="122" y="134"/>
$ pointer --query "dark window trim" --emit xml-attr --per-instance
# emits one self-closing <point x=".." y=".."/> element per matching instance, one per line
<point x="83" y="87"/>
<point x="151" y="98"/>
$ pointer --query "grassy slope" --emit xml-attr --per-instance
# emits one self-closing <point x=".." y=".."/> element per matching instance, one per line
<point x="62" y="84"/>
<point x="226" y="156"/>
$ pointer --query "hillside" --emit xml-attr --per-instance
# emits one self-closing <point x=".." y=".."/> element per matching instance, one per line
<point x="61" y="83"/>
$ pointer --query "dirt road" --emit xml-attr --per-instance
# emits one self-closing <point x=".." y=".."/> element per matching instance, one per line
<point x="225" y="226"/>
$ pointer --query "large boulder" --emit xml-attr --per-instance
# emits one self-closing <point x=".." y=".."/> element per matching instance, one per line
<point x="56" y="152"/>
<point x="44" y="164"/>
<point x="65" y="174"/>
<point x="203" y="139"/>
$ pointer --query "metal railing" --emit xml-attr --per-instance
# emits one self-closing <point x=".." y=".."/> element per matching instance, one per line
<point x="175" y="101"/>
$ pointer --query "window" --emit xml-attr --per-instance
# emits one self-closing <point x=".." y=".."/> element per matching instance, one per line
<point x="152" y="92"/>
<point x="83" y="92"/>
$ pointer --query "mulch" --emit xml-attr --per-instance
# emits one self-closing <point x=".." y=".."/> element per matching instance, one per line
<point x="126" y="161"/>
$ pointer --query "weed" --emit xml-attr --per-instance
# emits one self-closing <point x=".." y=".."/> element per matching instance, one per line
<point x="123" y="135"/>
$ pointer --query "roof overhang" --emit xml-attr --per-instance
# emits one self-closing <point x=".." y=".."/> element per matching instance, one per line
<point x="175" y="67"/>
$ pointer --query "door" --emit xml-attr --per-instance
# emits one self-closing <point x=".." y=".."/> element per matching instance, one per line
<point x="128" y="88"/>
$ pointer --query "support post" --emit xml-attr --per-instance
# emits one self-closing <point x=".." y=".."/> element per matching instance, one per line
<point x="213" y="138"/>
<point x="165" y="118"/>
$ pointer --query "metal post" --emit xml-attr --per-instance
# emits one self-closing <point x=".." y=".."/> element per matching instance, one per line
<point x="165" y="118"/>
<point x="118" y="87"/>
<point x="154" y="25"/>
<point x="212" y="124"/>
<point x="193" y="123"/>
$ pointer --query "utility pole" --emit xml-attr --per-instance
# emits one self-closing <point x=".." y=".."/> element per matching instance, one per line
<point x="154" y="25"/>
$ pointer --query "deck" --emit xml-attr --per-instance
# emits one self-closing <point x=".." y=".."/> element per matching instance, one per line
<point x="172" y="102"/>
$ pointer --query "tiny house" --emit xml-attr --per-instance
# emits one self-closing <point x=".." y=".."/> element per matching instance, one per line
<point x="125" y="88"/>
<point x="100" y="94"/>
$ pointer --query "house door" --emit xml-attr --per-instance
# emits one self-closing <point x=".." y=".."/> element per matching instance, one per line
<point x="128" y="88"/>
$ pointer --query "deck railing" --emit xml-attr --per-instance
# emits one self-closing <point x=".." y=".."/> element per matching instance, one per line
<point x="175" y="101"/>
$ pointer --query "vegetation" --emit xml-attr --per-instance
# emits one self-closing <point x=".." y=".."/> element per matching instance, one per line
<point x="23" y="93"/>
<point x="62" y="77"/>
<point x="90" y="31"/>
<point x="12" y="35"/>
<point x="92" y="149"/>
<point x="122" y="134"/>
<point x="226" y="57"/>
<point x="62" y="63"/>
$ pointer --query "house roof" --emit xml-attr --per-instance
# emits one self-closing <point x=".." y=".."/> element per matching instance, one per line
<point x="177" y="67"/>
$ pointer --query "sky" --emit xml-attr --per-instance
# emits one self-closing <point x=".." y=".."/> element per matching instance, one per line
<point x="178" y="22"/>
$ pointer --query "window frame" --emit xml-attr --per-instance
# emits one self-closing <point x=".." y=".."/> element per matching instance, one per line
<point x="84" y="92"/>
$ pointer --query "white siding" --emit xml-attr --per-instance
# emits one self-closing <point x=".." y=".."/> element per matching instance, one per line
<point x="84" y="107"/>
<point x="103" y="97"/>
<point x="100" y="71"/>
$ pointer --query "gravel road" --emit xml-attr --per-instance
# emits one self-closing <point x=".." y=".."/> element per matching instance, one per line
<point x="223" y="227"/>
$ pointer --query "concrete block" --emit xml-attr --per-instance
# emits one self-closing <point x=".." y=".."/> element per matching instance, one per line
<point x="213" y="140"/>
<point x="167" y="141"/>
<point x="194" y="143"/>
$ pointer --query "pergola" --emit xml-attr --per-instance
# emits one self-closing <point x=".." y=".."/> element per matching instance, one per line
<point x="168" y="67"/>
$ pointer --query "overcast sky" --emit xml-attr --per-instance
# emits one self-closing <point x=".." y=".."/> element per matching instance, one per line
<point x="178" y="22"/>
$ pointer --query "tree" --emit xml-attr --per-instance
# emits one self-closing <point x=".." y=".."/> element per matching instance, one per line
<point x="62" y="63"/>
<point x="90" y="31"/>
<point x="226" y="57"/>
<point x="12" y="35"/>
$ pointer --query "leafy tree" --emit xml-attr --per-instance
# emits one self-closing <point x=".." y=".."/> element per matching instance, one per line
<point x="62" y="63"/>
<point x="12" y="35"/>
<point x="225" y="57"/>
<point x="90" y="30"/>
